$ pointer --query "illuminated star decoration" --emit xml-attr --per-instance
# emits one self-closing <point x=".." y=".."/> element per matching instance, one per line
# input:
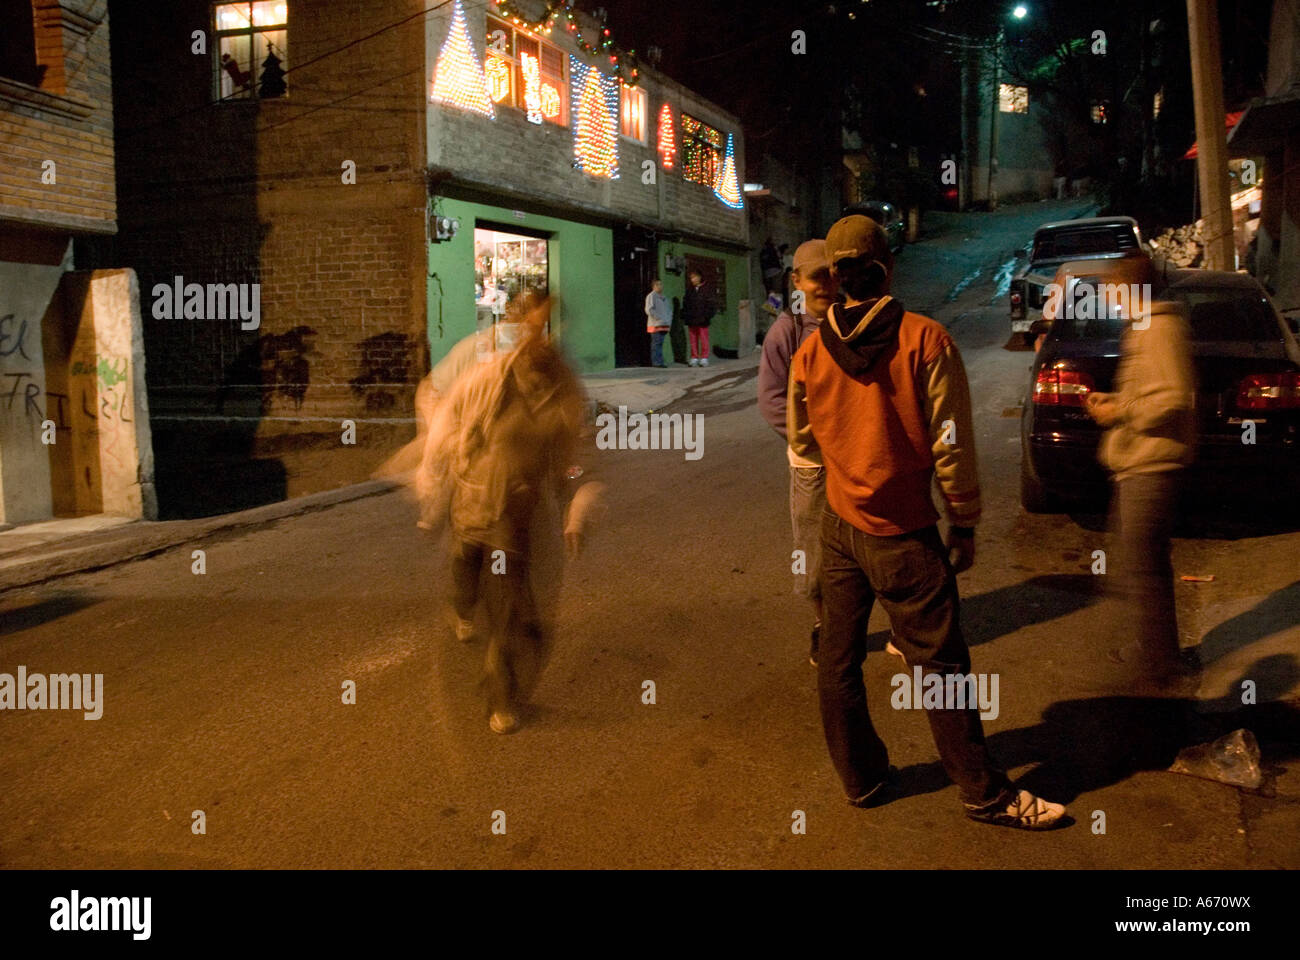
<point x="727" y="189"/>
<point x="458" y="78"/>
<point x="595" y="132"/>
<point x="667" y="139"/>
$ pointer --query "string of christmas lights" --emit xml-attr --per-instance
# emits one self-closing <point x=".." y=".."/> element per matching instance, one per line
<point x="595" y="128"/>
<point x="458" y="78"/>
<point x="727" y="189"/>
<point x="667" y="138"/>
<point x="623" y="62"/>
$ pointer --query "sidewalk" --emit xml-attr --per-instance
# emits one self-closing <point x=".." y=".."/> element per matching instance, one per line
<point x="36" y="552"/>
<point x="642" y="389"/>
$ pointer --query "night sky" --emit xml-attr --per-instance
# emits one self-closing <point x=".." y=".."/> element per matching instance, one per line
<point x="738" y="53"/>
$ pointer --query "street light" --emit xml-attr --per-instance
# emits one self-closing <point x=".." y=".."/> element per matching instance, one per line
<point x="1020" y="12"/>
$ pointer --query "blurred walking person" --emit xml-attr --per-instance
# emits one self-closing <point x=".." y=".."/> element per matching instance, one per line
<point x="1149" y="439"/>
<point x="499" y="454"/>
<point x="882" y="393"/>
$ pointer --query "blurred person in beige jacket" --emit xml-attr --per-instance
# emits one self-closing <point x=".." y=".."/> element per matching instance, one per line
<point x="498" y="471"/>
<point x="1149" y="439"/>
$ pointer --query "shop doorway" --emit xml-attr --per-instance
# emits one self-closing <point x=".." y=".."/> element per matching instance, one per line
<point x="634" y="270"/>
<point x="509" y="265"/>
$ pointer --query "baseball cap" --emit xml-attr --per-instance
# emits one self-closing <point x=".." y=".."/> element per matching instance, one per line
<point x="857" y="236"/>
<point x="810" y="257"/>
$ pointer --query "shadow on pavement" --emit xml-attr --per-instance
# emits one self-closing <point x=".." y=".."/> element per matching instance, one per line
<point x="988" y="616"/>
<point x="1086" y="744"/>
<point x="18" y="619"/>
<point x="1278" y="611"/>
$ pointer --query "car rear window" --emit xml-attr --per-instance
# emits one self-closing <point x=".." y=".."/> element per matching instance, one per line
<point x="1097" y="319"/>
<point x="1078" y="244"/>
<point x="1218" y="314"/>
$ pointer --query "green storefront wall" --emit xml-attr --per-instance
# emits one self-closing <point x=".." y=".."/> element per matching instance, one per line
<point x="580" y="274"/>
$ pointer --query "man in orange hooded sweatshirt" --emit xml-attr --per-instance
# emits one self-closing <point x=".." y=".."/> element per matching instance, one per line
<point x="882" y="394"/>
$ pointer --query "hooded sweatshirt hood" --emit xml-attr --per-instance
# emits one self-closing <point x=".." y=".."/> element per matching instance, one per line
<point x="856" y="337"/>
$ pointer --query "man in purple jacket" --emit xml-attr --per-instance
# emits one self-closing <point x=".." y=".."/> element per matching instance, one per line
<point x="814" y="293"/>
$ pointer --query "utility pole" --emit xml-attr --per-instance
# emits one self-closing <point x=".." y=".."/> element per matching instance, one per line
<point x="1144" y="86"/>
<point x="993" y="118"/>
<point x="1211" y="133"/>
<point x="964" y="158"/>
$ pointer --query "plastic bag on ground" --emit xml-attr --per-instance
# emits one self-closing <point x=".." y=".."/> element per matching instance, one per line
<point x="1232" y="759"/>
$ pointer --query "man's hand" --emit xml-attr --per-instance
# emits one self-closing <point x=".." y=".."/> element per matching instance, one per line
<point x="1102" y="407"/>
<point x="961" y="548"/>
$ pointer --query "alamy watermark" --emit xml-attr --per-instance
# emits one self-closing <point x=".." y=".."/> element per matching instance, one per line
<point x="655" y="431"/>
<point x="77" y="913"/>
<point x="1099" y="301"/>
<point x="946" y="691"/>
<point x="214" y="301"/>
<point x="58" y="691"/>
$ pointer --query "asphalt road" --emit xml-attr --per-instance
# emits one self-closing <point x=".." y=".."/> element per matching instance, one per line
<point x="223" y="690"/>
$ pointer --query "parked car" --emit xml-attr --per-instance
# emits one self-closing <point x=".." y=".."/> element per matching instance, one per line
<point x="1098" y="238"/>
<point x="1247" y="363"/>
<point x="885" y="214"/>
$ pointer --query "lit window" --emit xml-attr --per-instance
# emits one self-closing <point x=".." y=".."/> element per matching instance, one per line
<point x="632" y="113"/>
<point x="1013" y="99"/>
<point x="525" y="72"/>
<point x="1157" y="103"/>
<point x="252" y="53"/>
<point x="1099" y="113"/>
<point x="702" y="148"/>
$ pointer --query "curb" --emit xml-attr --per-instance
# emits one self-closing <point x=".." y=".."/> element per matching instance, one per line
<point x="148" y="538"/>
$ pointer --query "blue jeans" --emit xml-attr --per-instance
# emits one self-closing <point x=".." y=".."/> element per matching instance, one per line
<point x="657" y="348"/>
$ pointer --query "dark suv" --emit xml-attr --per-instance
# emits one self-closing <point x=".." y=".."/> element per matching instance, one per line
<point x="1247" y="364"/>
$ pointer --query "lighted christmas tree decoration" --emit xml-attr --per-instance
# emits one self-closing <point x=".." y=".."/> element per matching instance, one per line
<point x="458" y="78"/>
<point x="727" y="189"/>
<point x="532" y="83"/>
<point x="667" y="138"/>
<point x="595" y="132"/>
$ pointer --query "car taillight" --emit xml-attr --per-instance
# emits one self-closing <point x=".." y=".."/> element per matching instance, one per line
<point x="1064" y="388"/>
<point x="1269" y="391"/>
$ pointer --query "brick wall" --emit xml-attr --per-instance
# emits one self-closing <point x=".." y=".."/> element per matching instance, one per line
<point x="535" y="160"/>
<point x="252" y="191"/>
<point x="66" y="118"/>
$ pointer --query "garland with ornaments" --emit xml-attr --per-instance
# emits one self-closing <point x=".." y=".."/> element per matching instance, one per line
<point x="624" y="63"/>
